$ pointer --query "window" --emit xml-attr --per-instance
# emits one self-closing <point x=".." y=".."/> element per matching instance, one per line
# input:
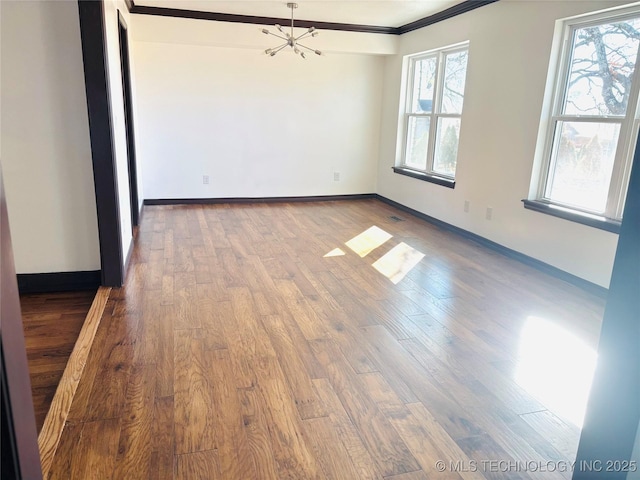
<point x="435" y="94"/>
<point x="592" y="124"/>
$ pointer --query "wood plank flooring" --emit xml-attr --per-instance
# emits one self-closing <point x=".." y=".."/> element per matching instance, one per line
<point x="52" y="323"/>
<point x="239" y="349"/>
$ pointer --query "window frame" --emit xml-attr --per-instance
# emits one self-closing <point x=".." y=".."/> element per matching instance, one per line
<point x="428" y="173"/>
<point x="629" y="125"/>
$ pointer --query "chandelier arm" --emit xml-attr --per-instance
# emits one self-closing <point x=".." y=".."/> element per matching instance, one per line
<point x="301" y="36"/>
<point x="310" y="49"/>
<point x="277" y="49"/>
<point x="279" y="36"/>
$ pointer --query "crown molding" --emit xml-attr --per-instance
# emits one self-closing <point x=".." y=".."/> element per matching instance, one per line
<point x="465" y="6"/>
<point x="230" y="17"/>
<point x="450" y="12"/>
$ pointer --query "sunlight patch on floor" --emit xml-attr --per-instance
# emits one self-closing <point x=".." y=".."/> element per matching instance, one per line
<point x="336" y="252"/>
<point x="368" y="241"/>
<point x="398" y="261"/>
<point x="556" y="367"/>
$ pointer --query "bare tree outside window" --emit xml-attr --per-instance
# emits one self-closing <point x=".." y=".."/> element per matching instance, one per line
<point x="436" y="87"/>
<point x="588" y="125"/>
<point x="602" y="66"/>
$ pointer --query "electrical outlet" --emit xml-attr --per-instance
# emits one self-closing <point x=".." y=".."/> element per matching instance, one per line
<point x="489" y="213"/>
<point x="205" y="179"/>
<point x="336" y="176"/>
<point x="466" y="206"/>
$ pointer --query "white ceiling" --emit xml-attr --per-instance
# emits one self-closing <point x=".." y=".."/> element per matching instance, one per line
<point x="388" y="13"/>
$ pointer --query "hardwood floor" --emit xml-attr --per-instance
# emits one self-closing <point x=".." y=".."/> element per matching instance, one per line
<point x="245" y="345"/>
<point x="52" y="323"/>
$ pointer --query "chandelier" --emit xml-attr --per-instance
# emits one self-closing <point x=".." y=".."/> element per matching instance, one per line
<point x="290" y="40"/>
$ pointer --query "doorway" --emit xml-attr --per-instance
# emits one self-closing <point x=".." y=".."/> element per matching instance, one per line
<point x="128" y="119"/>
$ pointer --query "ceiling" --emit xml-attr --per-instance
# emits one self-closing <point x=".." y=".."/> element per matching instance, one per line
<point x="387" y="13"/>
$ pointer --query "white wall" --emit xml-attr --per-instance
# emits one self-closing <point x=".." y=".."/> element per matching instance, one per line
<point x="510" y="46"/>
<point x="258" y="126"/>
<point x="111" y="8"/>
<point x="45" y="152"/>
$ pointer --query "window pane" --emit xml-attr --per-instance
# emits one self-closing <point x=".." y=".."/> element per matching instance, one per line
<point x="581" y="170"/>
<point x="602" y="65"/>
<point x="417" y="142"/>
<point x="447" y="135"/>
<point x="424" y="81"/>
<point x="455" y="73"/>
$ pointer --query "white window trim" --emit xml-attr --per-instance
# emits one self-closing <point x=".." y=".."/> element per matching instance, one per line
<point x="406" y="114"/>
<point x="629" y="123"/>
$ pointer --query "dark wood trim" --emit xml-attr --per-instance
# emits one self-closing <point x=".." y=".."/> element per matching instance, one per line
<point x="230" y="17"/>
<point x="584" y="218"/>
<point x="613" y="411"/>
<point x="465" y="6"/>
<point x="521" y="257"/>
<point x="450" y="12"/>
<point x="20" y="455"/>
<point x="59" y="281"/>
<point x="208" y="201"/>
<point x="125" y="70"/>
<point x="425" y="177"/>
<point x="101" y="134"/>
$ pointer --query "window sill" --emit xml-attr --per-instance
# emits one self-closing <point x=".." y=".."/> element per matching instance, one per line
<point x="426" y="177"/>
<point x="595" y="221"/>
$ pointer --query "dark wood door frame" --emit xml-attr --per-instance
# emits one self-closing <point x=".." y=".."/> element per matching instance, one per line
<point x="92" y="33"/>
<point x="125" y="68"/>
<point x="613" y="411"/>
<point x="19" y="442"/>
